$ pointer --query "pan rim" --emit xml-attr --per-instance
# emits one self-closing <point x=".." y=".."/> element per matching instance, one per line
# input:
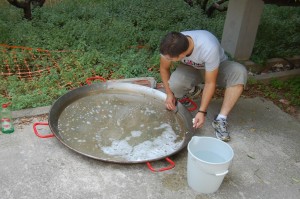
<point x="64" y="100"/>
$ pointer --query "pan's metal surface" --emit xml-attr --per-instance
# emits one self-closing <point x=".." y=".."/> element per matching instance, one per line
<point x="120" y="122"/>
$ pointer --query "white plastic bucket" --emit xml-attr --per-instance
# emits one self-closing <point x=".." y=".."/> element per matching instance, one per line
<point x="208" y="163"/>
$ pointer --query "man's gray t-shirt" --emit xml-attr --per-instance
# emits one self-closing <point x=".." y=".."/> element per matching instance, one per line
<point x="207" y="52"/>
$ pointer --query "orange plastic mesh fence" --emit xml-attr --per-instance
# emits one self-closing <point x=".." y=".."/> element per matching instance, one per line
<point x="27" y="63"/>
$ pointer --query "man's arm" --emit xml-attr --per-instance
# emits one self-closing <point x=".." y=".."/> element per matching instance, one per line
<point x="165" y="76"/>
<point x="208" y="92"/>
<point x="165" y="73"/>
<point x="209" y="88"/>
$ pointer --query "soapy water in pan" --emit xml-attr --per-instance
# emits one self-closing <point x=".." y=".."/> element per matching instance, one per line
<point x="121" y="127"/>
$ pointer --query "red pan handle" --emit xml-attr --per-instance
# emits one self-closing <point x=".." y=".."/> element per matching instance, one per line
<point x="88" y="80"/>
<point x="172" y="165"/>
<point x="37" y="133"/>
<point x="194" y="107"/>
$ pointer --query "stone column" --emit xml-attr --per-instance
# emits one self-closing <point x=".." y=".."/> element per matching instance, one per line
<point x="240" y="27"/>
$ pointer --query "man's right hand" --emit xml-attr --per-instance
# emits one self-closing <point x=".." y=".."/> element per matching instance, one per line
<point x="165" y="76"/>
<point x="170" y="102"/>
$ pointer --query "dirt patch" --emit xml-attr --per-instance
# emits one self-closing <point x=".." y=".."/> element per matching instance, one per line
<point x="279" y="68"/>
<point x="273" y="65"/>
<point x="27" y="120"/>
<point x="256" y="90"/>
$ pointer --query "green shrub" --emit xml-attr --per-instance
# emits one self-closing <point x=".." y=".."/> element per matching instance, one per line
<point x="278" y="33"/>
<point x="113" y="39"/>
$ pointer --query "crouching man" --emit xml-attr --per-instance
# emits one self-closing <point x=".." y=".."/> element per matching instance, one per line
<point x="196" y="50"/>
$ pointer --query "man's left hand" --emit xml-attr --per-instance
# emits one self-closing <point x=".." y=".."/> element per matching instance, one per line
<point x="199" y="120"/>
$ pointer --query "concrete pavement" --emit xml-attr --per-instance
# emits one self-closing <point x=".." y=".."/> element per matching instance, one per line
<point x="265" y="140"/>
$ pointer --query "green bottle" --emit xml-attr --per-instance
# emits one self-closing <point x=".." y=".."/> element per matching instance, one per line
<point x="6" y="120"/>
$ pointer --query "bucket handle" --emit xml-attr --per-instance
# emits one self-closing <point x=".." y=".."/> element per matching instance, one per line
<point x="217" y="174"/>
<point x="37" y="133"/>
<point x="221" y="174"/>
<point x="172" y="165"/>
<point x="89" y="80"/>
<point x="194" y="107"/>
<point x="214" y="174"/>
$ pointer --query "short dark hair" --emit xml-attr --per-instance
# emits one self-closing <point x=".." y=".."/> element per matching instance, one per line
<point x="173" y="44"/>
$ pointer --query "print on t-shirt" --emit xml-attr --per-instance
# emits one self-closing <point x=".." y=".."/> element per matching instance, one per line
<point x="191" y="63"/>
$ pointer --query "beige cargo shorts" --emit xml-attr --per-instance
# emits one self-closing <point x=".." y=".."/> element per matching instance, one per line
<point x="185" y="77"/>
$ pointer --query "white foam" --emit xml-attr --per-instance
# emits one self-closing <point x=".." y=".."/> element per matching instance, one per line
<point x="136" y="133"/>
<point x="157" y="147"/>
<point x="149" y="111"/>
<point x="118" y="147"/>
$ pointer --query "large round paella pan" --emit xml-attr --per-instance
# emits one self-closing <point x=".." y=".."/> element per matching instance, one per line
<point x="120" y="122"/>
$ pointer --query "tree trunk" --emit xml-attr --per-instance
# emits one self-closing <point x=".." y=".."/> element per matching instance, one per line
<point x="293" y="3"/>
<point x="216" y="6"/>
<point x="27" y="10"/>
<point x="26" y="6"/>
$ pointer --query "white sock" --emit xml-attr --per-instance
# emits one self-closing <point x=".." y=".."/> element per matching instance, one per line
<point x="220" y="116"/>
